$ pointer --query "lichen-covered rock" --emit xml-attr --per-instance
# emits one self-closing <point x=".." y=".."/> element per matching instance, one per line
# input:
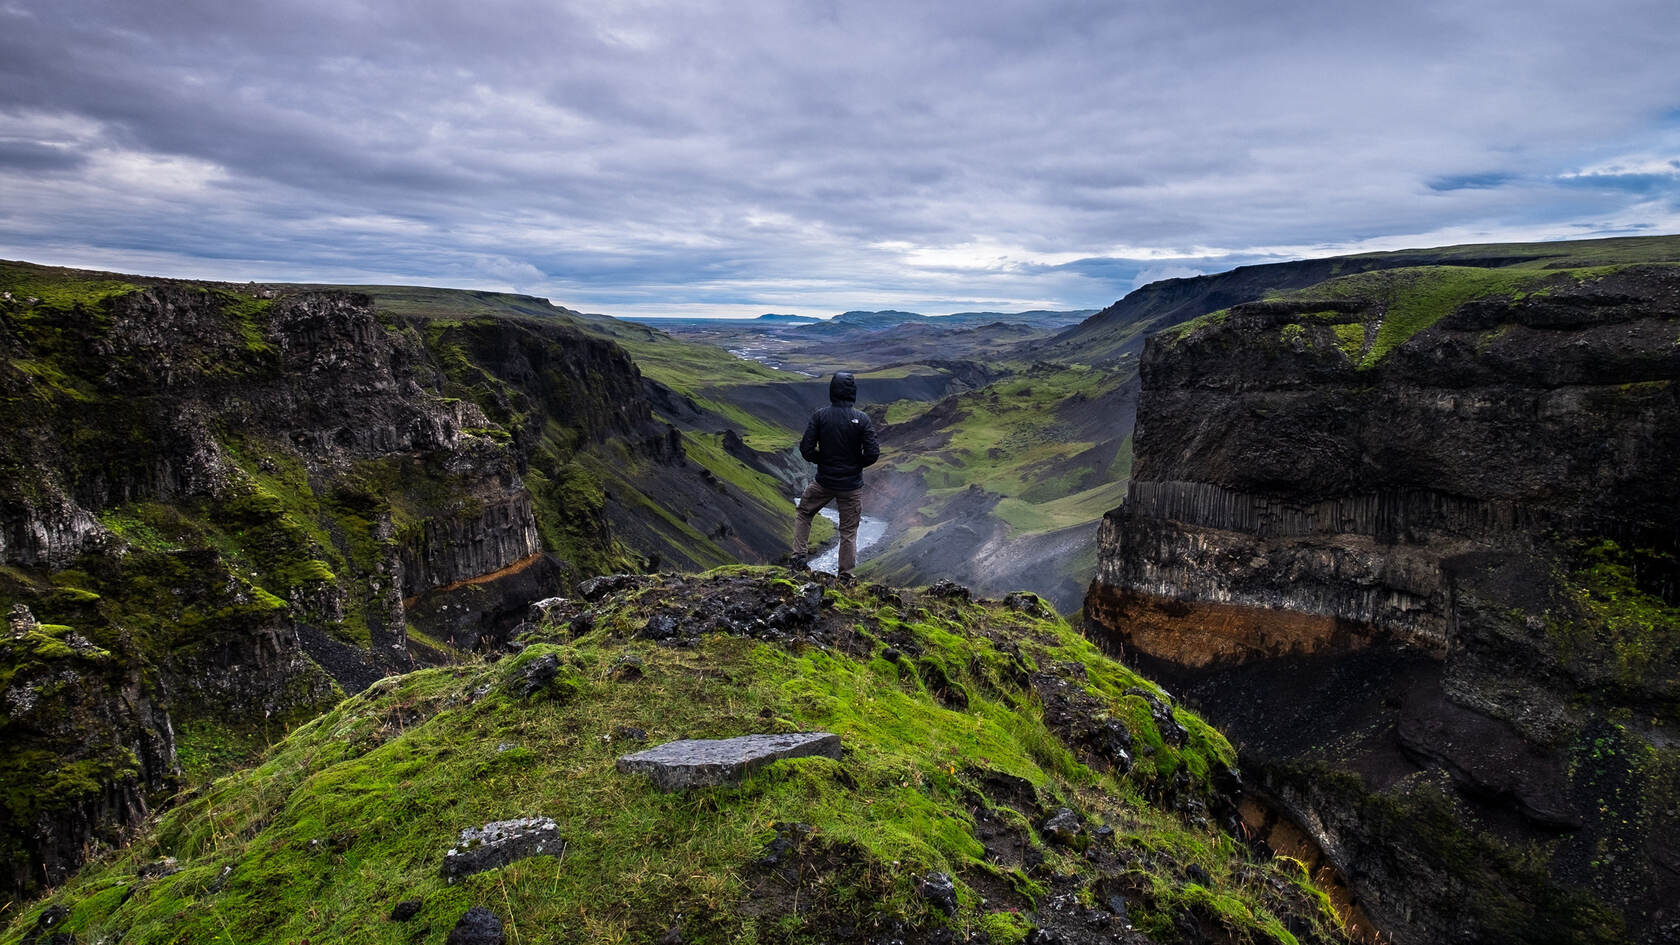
<point x="1063" y="827"/>
<point x="499" y="843"/>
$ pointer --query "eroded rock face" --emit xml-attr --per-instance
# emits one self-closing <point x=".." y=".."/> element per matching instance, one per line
<point x="1363" y="567"/>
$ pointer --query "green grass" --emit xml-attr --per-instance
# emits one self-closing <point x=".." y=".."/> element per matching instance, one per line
<point x="1080" y="508"/>
<point x="1005" y="441"/>
<point x="61" y="288"/>
<point x="1414" y="299"/>
<point x="1394" y="305"/>
<point x="353" y="811"/>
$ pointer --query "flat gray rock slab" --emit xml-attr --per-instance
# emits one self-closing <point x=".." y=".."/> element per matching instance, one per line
<point x="700" y="762"/>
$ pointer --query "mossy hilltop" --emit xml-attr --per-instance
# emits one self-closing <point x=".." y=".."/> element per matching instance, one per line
<point x="965" y="725"/>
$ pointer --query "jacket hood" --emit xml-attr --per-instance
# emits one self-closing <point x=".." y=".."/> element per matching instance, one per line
<point x="842" y="389"/>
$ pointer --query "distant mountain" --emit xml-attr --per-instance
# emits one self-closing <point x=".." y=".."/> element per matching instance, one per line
<point x="1035" y="317"/>
<point x="889" y="318"/>
<point x="774" y="319"/>
<point x="882" y="319"/>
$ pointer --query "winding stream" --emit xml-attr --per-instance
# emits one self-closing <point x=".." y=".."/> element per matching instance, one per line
<point x="870" y="532"/>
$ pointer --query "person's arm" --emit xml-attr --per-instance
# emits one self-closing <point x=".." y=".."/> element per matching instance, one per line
<point x="808" y="442"/>
<point x="870" y="451"/>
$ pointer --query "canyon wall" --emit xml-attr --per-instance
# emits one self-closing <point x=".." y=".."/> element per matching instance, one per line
<point x="1411" y="536"/>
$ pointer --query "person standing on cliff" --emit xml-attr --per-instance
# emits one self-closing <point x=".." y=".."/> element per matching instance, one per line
<point x="840" y="439"/>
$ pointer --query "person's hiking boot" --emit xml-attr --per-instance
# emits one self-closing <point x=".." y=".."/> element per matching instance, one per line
<point x="794" y="562"/>
<point x="846" y="577"/>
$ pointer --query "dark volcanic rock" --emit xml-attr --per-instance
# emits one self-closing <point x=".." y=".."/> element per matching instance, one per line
<point x="1063" y="827"/>
<point x="596" y="589"/>
<point x="478" y="926"/>
<point x="405" y="910"/>
<point x="949" y="589"/>
<point x="939" y="891"/>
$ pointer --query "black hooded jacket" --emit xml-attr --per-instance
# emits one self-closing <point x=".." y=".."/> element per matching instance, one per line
<point x="840" y="439"/>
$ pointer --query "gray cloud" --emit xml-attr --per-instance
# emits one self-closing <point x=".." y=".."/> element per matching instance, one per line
<point x="809" y="157"/>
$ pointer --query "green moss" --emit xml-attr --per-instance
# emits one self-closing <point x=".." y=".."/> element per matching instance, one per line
<point x="208" y="747"/>
<point x="60" y="288"/>
<point x="1189" y="329"/>
<point x="1350" y="338"/>
<point x="1633" y="631"/>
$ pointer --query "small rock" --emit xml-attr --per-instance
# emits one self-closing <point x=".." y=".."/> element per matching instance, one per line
<point x="1117" y="905"/>
<point x="629" y="733"/>
<point x="479" y="926"/>
<point x="542" y="608"/>
<point x="1062" y="827"/>
<point x="1199" y="876"/>
<point x="788" y="838"/>
<point x="405" y="910"/>
<point x="672" y="936"/>
<point x="594" y="589"/>
<point x="627" y="668"/>
<point x="1044" y="937"/>
<point x="50" y="917"/>
<point x="885" y="595"/>
<point x="939" y="891"/>
<point x="497" y="844"/>
<point x="1171" y="732"/>
<point x="950" y="590"/>
<point x="542" y="675"/>
<point x="157" y="869"/>
<point x="661" y="627"/>
<point x="21" y="620"/>
<point x="1028" y="603"/>
<point x="891" y="655"/>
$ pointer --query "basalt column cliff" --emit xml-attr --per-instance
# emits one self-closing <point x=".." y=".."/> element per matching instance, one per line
<point x="1411" y="537"/>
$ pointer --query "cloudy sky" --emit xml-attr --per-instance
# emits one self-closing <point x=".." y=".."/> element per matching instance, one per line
<point x="738" y="157"/>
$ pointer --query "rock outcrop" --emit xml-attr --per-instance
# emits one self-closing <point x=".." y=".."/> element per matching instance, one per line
<point x="1411" y="536"/>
